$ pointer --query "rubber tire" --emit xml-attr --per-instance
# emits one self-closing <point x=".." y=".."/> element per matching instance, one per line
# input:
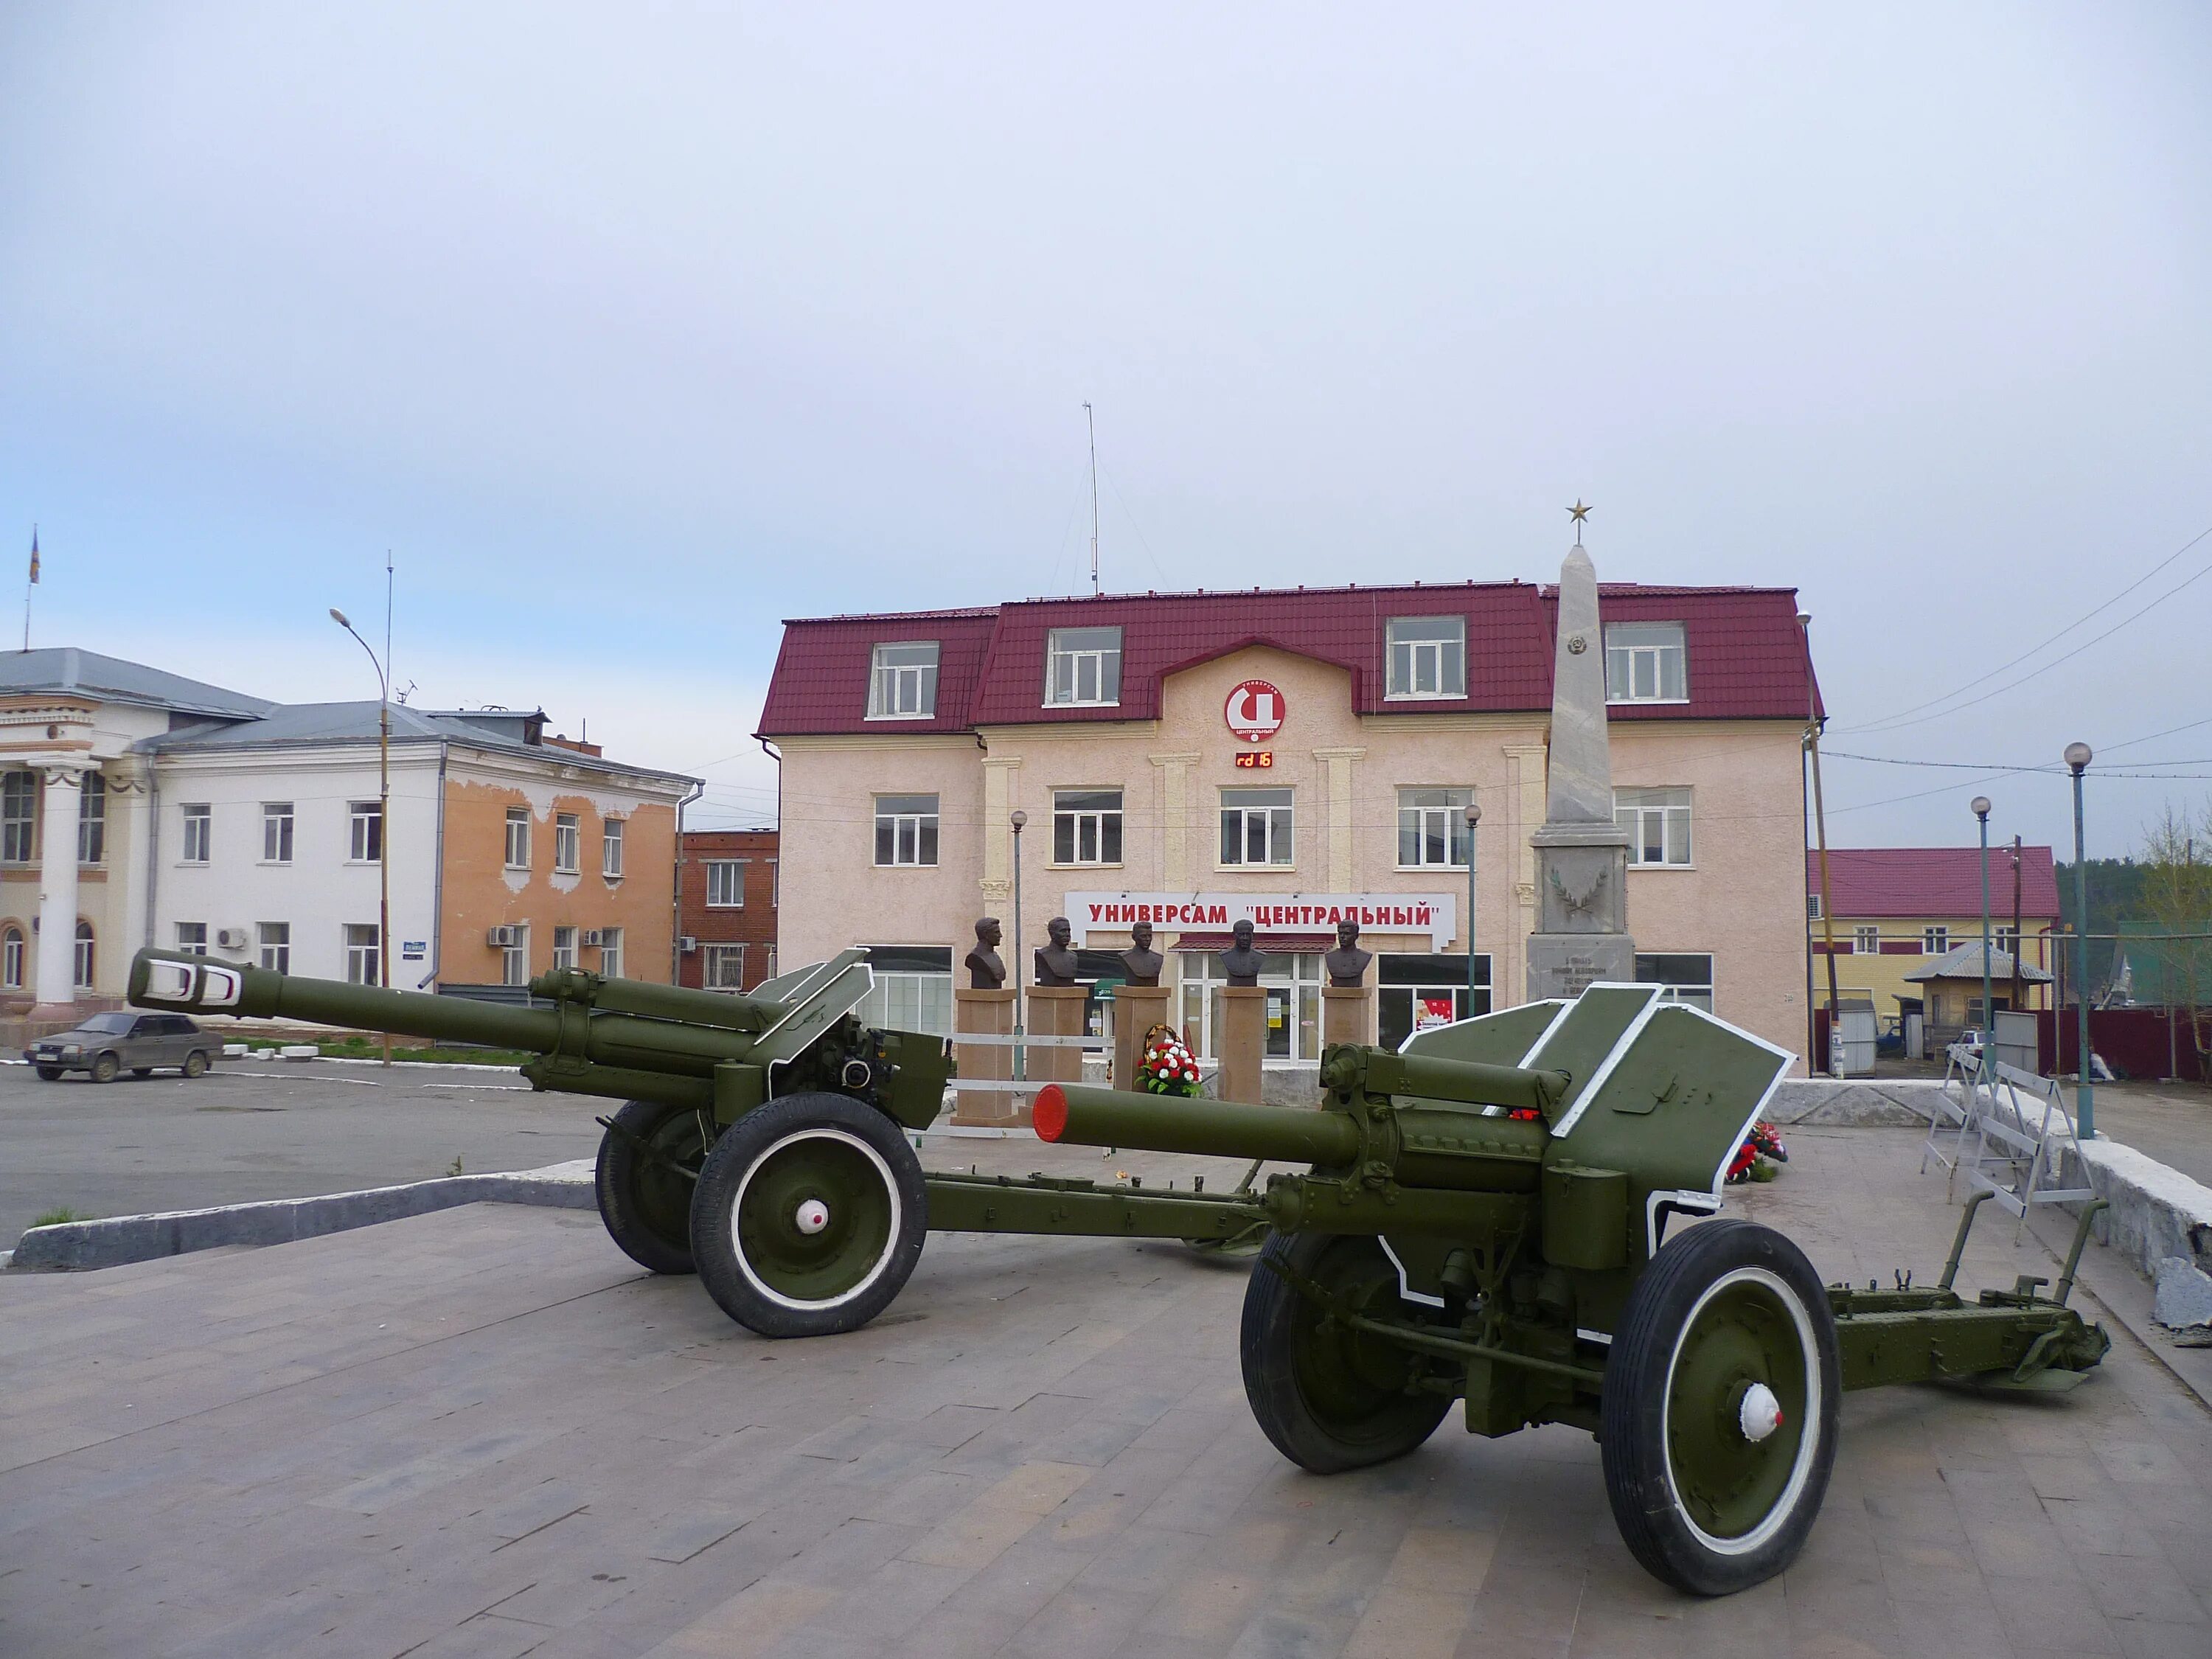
<point x="196" y="1063"/>
<point x="142" y="1071"/>
<point x="50" y="1073"/>
<point x="1637" y="1481"/>
<point x="615" y="1180"/>
<point x="105" y="1067"/>
<point x="1276" y="1317"/>
<point x="744" y="1144"/>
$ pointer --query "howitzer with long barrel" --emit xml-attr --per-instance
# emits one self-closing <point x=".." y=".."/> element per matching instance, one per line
<point x="1485" y="1220"/>
<point x="762" y="1139"/>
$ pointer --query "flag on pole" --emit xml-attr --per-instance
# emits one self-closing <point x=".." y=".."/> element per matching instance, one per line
<point x="34" y="555"/>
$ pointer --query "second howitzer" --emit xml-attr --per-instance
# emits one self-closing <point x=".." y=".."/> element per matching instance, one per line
<point x="763" y="1140"/>
<point x="1485" y="1221"/>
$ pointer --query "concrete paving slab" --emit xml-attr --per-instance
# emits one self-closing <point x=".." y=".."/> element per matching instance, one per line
<point x="482" y="1431"/>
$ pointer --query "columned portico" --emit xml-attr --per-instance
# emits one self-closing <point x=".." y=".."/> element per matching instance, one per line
<point x="58" y="804"/>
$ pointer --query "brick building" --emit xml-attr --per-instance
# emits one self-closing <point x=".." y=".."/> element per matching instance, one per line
<point x="726" y="890"/>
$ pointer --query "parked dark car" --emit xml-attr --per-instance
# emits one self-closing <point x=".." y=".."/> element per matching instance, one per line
<point x="106" y="1044"/>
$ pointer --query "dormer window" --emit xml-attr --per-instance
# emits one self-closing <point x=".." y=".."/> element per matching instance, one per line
<point x="1646" y="662"/>
<point x="903" y="680"/>
<point x="1428" y="657"/>
<point x="1083" y="665"/>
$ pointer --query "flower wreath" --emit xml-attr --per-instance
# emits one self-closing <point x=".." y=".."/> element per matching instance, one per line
<point x="1166" y="1066"/>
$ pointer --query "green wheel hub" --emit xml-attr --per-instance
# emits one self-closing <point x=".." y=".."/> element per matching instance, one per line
<point x="1741" y="1410"/>
<point x="1351" y="1382"/>
<point x="815" y="1217"/>
<point x="666" y="1171"/>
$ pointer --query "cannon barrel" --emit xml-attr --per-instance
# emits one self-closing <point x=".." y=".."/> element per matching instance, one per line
<point x="1217" y="1128"/>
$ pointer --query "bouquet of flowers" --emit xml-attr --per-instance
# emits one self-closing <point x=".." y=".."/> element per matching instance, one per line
<point x="1166" y="1066"/>
<point x="1761" y="1151"/>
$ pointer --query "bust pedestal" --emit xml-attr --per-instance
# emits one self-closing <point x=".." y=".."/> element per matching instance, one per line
<point x="1348" y="1014"/>
<point x="1056" y="1010"/>
<point x="1137" y="1009"/>
<point x="1241" y="1041"/>
<point x="987" y="1013"/>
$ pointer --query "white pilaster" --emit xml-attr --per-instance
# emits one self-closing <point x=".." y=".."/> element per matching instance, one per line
<point x="1175" y="819"/>
<point x="59" y="804"/>
<point x="1336" y="765"/>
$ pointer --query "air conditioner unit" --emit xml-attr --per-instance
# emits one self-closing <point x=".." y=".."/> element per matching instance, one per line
<point x="501" y="938"/>
<point x="686" y="944"/>
<point x="231" y="939"/>
<point x="594" y="937"/>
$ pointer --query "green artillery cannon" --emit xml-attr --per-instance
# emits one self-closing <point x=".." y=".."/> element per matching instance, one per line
<point x="762" y="1142"/>
<point x="1444" y="1249"/>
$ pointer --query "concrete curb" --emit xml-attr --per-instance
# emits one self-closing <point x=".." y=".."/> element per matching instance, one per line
<point x="2156" y="1211"/>
<point x="78" y="1245"/>
<point x="1854" y="1102"/>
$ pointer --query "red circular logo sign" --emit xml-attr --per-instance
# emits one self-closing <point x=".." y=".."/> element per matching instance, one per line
<point x="1254" y="711"/>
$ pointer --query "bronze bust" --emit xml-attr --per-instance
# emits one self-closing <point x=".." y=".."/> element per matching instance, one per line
<point x="1347" y="963"/>
<point x="1243" y="960"/>
<point x="1055" y="958"/>
<point x="1140" y="962"/>
<point x="985" y="971"/>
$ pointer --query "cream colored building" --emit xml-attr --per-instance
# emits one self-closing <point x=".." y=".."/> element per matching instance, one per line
<point x="1288" y="757"/>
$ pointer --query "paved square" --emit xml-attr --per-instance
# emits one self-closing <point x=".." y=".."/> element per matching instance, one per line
<point x="481" y="1433"/>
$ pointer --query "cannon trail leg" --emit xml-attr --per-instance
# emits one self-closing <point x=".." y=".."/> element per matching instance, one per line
<point x="808" y="1216"/>
<point x="1720" y="1408"/>
<point x="1329" y="1397"/>
<point x="649" y="1161"/>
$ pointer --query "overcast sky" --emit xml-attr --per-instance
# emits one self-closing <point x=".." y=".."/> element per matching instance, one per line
<point x="632" y="330"/>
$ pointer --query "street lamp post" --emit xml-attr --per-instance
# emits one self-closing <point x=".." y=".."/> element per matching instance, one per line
<point x="1981" y="805"/>
<point x="1474" y="816"/>
<point x="1021" y="1056"/>
<point x="2078" y="758"/>
<point x="383" y="813"/>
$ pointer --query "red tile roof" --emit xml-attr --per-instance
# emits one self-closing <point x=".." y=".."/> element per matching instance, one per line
<point x="1747" y="655"/>
<point x="1934" y="881"/>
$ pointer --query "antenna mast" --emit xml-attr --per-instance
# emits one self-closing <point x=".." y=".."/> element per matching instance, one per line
<point x="1090" y="424"/>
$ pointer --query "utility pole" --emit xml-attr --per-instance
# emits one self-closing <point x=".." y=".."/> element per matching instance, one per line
<point x="1820" y="829"/>
<point x="1091" y="425"/>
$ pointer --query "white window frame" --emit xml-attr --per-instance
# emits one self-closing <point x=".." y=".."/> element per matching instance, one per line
<point x="775" y="893"/>
<point x="612" y="838"/>
<point x="85" y="957"/>
<point x="722" y="967"/>
<point x="1633" y="810"/>
<point x="1431" y="648"/>
<point x="91" y="819"/>
<point x="277" y="831"/>
<point x="12" y="953"/>
<point x="1276" y="820"/>
<point x="364" y="832"/>
<point x="1092" y="825"/>
<point x="1934" y="941"/>
<point x="1639" y="653"/>
<point x="567" y="844"/>
<point x="610" y="952"/>
<point x="1866" y="941"/>
<point x="363" y="942"/>
<point x="1699" y="994"/>
<point x="1812" y="907"/>
<point x="193" y="938"/>
<point x="275" y="941"/>
<point x="903" y="680"/>
<point x="564" y="948"/>
<point x="1073" y="655"/>
<point x="2005" y="938"/>
<point x="517" y="838"/>
<point x="727" y="876"/>
<point x="910" y="999"/>
<point x="19" y="817"/>
<point x="514" y="959"/>
<point x="912" y="832"/>
<point x="198" y="837"/>
<point x="1419" y="815"/>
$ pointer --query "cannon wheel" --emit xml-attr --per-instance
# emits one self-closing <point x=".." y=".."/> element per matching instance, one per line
<point x="1330" y="1399"/>
<point x="810" y="1216"/>
<point x="1722" y="1394"/>
<point x="645" y="1204"/>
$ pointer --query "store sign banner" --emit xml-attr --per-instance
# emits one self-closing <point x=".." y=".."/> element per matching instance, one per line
<point x="1434" y="914"/>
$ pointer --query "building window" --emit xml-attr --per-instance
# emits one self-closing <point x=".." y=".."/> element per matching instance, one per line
<point x="199" y="832"/>
<point x="92" y="820"/>
<point x="276" y="832"/>
<point x="1086" y="826"/>
<point x="1293" y="982"/>
<point x="1428" y="657"/>
<point x="567" y="844"/>
<point x="610" y="952"/>
<point x="912" y="990"/>
<point x="514" y="959"/>
<point x="11" y="957"/>
<point x="84" y="955"/>
<point x="903" y="680"/>
<point x="276" y="946"/>
<point x="1866" y="941"/>
<point x="191" y="937"/>
<point x="1644" y="663"/>
<point x="1414" y="993"/>
<point x="1934" y="941"/>
<point x="368" y="844"/>
<point x="19" y="811"/>
<point x="564" y="948"/>
<point x="610" y="849"/>
<point x="1432" y="828"/>
<point x="517" y="838"/>
<point x="1084" y="666"/>
<point x="1255" y="826"/>
<point x="1812" y="900"/>
<point x="722" y="967"/>
<point x="2008" y="940"/>
<point x="1657" y="822"/>
<point x="906" y="829"/>
<point x="362" y="956"/>
<point x="775" y="885"/>
<point x="1687" y="976"/>
<point x="725" y="883"/>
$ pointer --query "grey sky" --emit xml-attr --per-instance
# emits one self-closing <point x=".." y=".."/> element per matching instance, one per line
<point x="634" y="330"/>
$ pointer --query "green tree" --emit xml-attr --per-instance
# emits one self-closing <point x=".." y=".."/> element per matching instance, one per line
<point x="2176" y="897"/>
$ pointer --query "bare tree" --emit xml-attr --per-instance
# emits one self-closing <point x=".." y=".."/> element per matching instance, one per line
<point x="2176" y="896"/>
